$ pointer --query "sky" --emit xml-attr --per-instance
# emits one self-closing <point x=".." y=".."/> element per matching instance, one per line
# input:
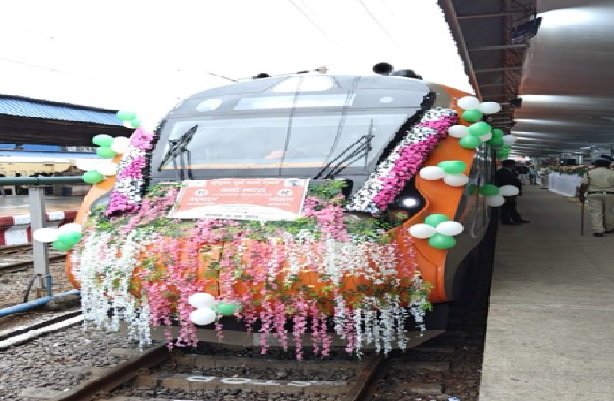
<point x="145" y="56"/>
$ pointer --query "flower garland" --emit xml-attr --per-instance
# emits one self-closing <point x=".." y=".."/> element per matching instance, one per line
<point x="388" y="180"/>
<point x="126" y="194"/>
<point x="307" y="270"/>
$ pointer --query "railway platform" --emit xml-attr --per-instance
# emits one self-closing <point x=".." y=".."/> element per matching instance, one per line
<point x="551" y="314"/>
<point x="15" y="216"/>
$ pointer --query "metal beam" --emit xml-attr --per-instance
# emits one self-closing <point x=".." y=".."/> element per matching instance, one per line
<point x="499" y="69"/>
<point x="457" y="33"/>
<point x="493" y="85"/>
<point x="498" y="47"/>
<point x="490" y="15"/>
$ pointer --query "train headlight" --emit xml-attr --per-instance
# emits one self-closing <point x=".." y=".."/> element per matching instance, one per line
<point x="409" y="202"/>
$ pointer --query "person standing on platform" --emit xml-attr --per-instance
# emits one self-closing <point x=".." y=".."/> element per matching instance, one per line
<point x="506" y="176"/>
<point x="598" y="184"/>
<point x="532" y="175"/>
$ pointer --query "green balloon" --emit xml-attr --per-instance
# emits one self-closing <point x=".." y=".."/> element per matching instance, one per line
<point x="135" y="123"/>
<point x="452" y="166"/>
<point x="102" y="140"/>
<point x="496" y="141"/>
<point x="227" y="309"/>
<point x="472" y="115"/>
<point x="105" y="152"/>
<point x="497" y="133"/>
<point x="441" y="241"/>
<point x="502" y="155"/>
<point x="470" y="142"/>
<point x="125" y="115"/>
<point x="480" y="128"/>
<point x="435" y="218"/>
<point x="93" y="177"/>
<point x="60" y="245"/>
<point x="70" y="237"/>
<point x="489" y="190"/>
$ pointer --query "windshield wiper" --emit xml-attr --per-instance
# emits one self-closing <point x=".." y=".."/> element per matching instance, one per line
<point x="357" y="149"/>
<point x="177" y="148"/>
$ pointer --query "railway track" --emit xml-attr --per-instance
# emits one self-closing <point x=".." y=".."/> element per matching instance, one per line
<point x="16" y="258"/>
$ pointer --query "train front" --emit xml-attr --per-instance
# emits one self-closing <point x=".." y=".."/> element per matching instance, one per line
<point x="284" y="204"/>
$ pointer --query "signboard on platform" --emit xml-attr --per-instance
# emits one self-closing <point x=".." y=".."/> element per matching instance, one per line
<point x="262" y="199"/>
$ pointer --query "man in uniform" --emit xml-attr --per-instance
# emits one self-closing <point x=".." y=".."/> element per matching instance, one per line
<point x="506" y="176"/>
<point x="598" y="183"/>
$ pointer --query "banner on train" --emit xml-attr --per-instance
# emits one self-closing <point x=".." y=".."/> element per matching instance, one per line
<point x="260" y="199"/>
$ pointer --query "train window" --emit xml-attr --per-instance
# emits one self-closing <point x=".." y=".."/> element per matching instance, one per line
<point x="290" y="101"/>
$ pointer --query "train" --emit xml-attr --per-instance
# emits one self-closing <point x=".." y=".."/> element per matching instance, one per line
<point x="341" y="208"/>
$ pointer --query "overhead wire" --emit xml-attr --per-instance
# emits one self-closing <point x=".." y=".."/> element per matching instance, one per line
<point x="378" y="23"/>
<point x="313" y="22"/>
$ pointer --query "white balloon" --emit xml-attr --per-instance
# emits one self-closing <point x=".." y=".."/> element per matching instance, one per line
<point x="495" y="200"/>
<point x="468" y="103"/>
<point x="456" y="180"/>
<point x="47" y="234"/>
<point x="509" y="139"/>
<point x="508" y="190"/>
<point x="422" y="231"/>
<point x="203" y="316"/>
<point x="70" y="227"/>
<point x="489" y="107"/>
<point x="486" y="137"/>
<point x="458" y="131"/>
<point x="87" y="164"/>
<point x="120" y="144"/>
<point x="432" y="173"/>
<point x="107" y="169"/>
<point x="449" y="228"/>
<point x="201" y="300"/>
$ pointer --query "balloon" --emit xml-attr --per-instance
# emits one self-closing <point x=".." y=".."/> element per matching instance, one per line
<point x="495" y="200"/>
<point x="496" y="141"/>
<point x="93" y="177"/>
<point x="509" y="139"/>
<point x="87" y="164"/>
<point x="102" y="140"/>
<point x="435" y="218"/>
<point x="61" y="245"/>
<point x="453" y="166"/>
<point x="489" y="190"/>
<point x="105" y="152"/>
<point x="508" y="190"/>
<point x="135" y="122"/>
<point x="480" y="128"/>
<point x="203" y="316"/>
<point x="422" y="231"/>
<point x="125" y="115"/>
<point x="497" y="133"/>
<point x="458" y="131"/>
<point x="450" y="228"/>
<point x="472" y="115"/>
<point x="489" y="107"/>
<point x="486" y="137"/>
<point x="201" y="300"/>
<point x="70" y="237"/>
<point x="441" y="241"/>
<point x="227" y="309"/>
<point x="47" y="234"/>
<point x="120" y="144"/>
<point x="456" y="180"/>
<point x="470" y="142"/>
<point x="468" y="103"/>
<point x="432" y="173"/>
<point x="70" y="227"/>
<point x="107" y="169"/>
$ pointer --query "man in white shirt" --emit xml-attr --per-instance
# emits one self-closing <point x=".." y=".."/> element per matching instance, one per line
<point x="598" y="183"/>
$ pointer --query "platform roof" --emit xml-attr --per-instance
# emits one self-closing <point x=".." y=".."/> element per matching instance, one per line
<point x="36" y="121"/>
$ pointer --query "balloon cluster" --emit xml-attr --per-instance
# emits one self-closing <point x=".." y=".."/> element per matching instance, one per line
<point x="62" y="239"/>
<point x="438" y="229"/>
<point x="207" y="308"/>
<point x="452" y="172"/>
<point x="479" y="131"/>
<point x="495" y="195"/>
<point x="109" y="147"/>
<point x="129" y="119"/>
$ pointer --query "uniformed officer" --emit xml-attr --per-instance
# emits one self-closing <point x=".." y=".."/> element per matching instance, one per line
<point x="598" y="184"/>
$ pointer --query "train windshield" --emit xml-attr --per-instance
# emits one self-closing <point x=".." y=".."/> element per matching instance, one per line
<point x="282" y="142"/>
